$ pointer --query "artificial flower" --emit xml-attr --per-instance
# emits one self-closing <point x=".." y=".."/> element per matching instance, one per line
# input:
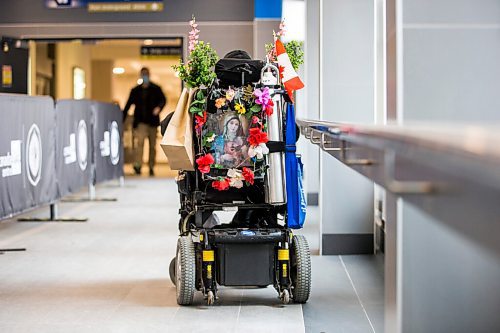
<point x="248" y="175"/>
<point x="256" y="136"/>
<point x="282" y="31"/>
<point x="193" y="35"/>
<point x="235" y="178"/>
<point x="236" y="182"/>
<point x="220" y="102"/>
<point x="221" y="185"/>
<point x="200" y="121"/>
<point x="255" y="120"/>
<point x="204" y="163"/>
<point x="210" y="138"/>
<point x="230" y="93"/>
<point x="240" y="108"/>
<point x="269" y="108"/>
<point x="234" y="173"/>
<point x="258" y="151"/>
<point x="262" y="96"/>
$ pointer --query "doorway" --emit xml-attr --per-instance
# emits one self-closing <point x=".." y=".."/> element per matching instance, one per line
<point x="106" y="70"/>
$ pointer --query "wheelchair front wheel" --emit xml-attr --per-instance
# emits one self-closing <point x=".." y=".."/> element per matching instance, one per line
<point x="185" y="270"/>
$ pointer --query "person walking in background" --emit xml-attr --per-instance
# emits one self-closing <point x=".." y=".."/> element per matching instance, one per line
<point x="149" y="100"/>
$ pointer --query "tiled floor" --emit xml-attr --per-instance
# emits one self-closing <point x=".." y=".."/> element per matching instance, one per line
<point x="111" y="275"/>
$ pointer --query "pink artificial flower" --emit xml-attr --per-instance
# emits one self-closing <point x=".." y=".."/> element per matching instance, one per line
<point x="262" y="96"/>
<point x="282" y="31"/>
<point x="193" y="35"/>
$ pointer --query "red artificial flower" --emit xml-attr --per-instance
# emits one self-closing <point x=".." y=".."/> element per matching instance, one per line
<point x="204" y="163"/>
<point x="256" y="136"/>
<point x="221" y="185"/>
<point x="248" y="175"/>
<point x="200" y="121"/>
<point x="255" y="120"/>
<point x="269" y="108"/>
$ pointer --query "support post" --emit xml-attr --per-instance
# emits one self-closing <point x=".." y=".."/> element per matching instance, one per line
<point x="54" y="217"/>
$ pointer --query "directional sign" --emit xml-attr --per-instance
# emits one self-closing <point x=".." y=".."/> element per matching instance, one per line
<point x="108" y="5"/>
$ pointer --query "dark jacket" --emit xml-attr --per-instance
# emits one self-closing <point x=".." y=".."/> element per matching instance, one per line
<point x="145" y="100"/>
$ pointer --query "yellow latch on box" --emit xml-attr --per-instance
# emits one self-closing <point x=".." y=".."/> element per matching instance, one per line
<point x="283" y="254"/>
<point x="208" y="255"/>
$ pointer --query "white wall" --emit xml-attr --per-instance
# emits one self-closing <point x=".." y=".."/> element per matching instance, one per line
<point x="346" y="95"/>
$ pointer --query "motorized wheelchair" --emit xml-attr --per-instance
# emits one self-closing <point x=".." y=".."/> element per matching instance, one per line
<point x="256" y="248"/>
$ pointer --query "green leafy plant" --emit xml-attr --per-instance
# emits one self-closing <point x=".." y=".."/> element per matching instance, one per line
<point x="198" y="71"/>
<point x="199" y="103"/>
<point x="294" y="51"/>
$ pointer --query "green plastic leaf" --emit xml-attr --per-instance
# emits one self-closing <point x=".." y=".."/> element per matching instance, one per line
<point x="256" y="108"/>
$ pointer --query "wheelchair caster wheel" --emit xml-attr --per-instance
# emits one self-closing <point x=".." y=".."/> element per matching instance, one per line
<point x="210" y="297"/>
<point x="171" y="271"/>
<point x="285" y="296"/>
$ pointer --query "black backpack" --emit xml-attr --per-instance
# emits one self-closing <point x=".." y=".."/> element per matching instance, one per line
<point x="238" y="69"/>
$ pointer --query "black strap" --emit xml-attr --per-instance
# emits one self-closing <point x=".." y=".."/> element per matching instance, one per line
<point x="276" y="146"/>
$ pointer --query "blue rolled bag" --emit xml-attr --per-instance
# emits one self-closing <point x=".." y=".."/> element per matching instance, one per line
<point x="296" y="199"/>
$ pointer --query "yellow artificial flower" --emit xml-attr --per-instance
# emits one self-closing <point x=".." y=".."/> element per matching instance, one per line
<point x="230" y="93"/>
<point x="240" y="108"/>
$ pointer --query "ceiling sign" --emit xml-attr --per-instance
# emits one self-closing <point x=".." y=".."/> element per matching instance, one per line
<point x="161" y="52"/>
<point x="99" y="6"/>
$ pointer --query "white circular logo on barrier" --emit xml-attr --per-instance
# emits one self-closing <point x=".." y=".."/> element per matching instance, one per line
<point x="34" y="155"/>
<point x="81" y="137"/>
<point x="115" y="143"/>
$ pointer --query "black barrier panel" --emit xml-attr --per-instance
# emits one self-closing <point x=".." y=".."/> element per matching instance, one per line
<point x="27" y="153"/>
<point x="73" y="145"/>
<point x="108" y="148"/>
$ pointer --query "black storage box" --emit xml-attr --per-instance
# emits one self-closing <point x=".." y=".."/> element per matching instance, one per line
<point x="245" y="264"/>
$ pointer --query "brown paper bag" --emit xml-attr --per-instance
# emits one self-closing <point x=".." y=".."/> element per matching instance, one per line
<point x="177" y="143"/>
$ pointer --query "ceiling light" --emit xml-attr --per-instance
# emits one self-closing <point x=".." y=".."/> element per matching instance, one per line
<point x="148" y="42"/>
<point x="118" y="70"/>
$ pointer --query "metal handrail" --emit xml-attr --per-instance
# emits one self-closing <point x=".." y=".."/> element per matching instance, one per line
<point x="464" y="151"/>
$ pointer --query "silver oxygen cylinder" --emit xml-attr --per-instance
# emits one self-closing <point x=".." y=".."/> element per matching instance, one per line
<point x="275" y="175"/>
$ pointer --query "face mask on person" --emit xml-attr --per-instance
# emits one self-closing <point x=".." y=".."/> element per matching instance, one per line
<point x="145" y="79"/>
